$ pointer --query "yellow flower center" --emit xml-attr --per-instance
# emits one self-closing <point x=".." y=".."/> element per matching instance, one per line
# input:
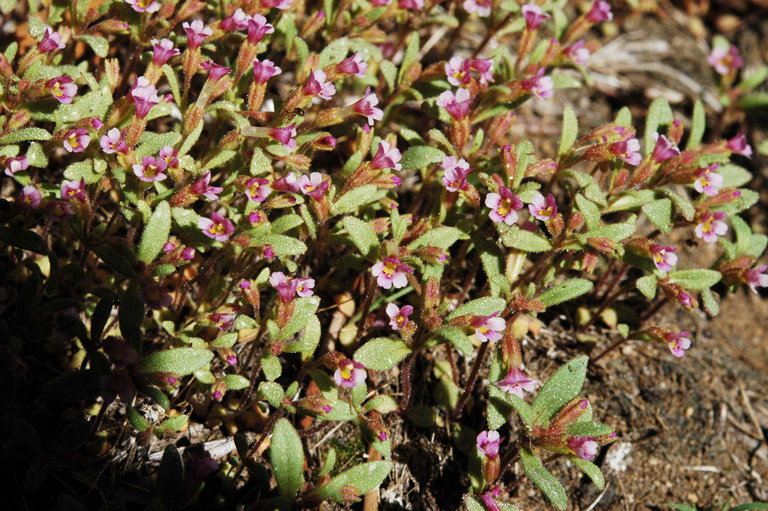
<point x="346" y="372"/>
<point x="56" y="90"/>
<point x="389" y="268"/>
<point x="218" y="229"/>
<point x="73" y="143"/>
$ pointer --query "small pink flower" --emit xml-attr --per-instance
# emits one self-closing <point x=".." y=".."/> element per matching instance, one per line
<point x="711" y="226"/>
<point x="314" y="185"/>
<point x="539" y="85"/>
<point x="16" y="164"/>
<point x="481" y="7"/>
<point x="231" y="360"/>
<point x="51" y="41"/>
<point x="456" y="104"/>
<point x="583" y="447"/>
<point x="144" y="96"/>
<point x="504" y="206"/>
<point x="349" y="374"/>
<point x="258" y="28"/>
<point x="708" y="181"/>
<point x="150" y="169"/>
<point x="188" y="253"/>
<point x="533" y="16"/>
<point x="73" y="190"/>
<point x="578" y="52"/>
<point x="517" y="383"/>
<point x="380" y="3"/>
<point x="366" y="106"/>
<point x="543" y="208"/>
<point x="739" y="145"/>
<point x="237" y="21"/>
<point x="725" y="59"/>
<point x="489" y="497"/>
<point x="391" y="271"/>
<point x="398" y="317"/>
<point x="488" y="443"/>
<point x="196" y="32"/>
<point x="457" y="71"/>
<point x="217" y="227"/>
<point x="287" y="183"/>
<point x="484" y="67"/>
<point x="354" y="65"/>
<point x="280" y="282"/>
<point x="215" y="71"/>
<point x="63" y="89"/>
<point x="113" y="142"/>
<point x="279" y="4"/>
<point x="487" y="328"/>
<point x="256" y="218"/>
<point x="75" y="141"/>
<point x="756" y="277"/>
<point x="664" y="257"/>
<point x="411" y="4"/>
<point x="627" y="150"/>
<point x="664" y="148"/>
<point x="303" y="287"/>
<point x="678" y="343"/>
<point x="285" y="135"/>
<point x="60" y="210"/>
<point x="144" y="5"/>
<point x="685" y="299"/>
<point x="257" y="189"/>
<point x="203" y="187"/>
<point x="456" y="171"/>
<point x="600" y="11"/>
<point x="162" y="51"/>
<point x="318" y="86"/>
<point x="263" y="71"/>
<point x="170" y="156"/>
<point x="223" y="320"/>
<point x="387" y="157"/>
<point x="30" y="197"/>
<point x="97" y="123"/>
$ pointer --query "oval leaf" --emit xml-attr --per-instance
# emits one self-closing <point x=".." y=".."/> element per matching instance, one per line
<point x="287" y="456"/>
<point x="156" y="233"/>
<point x="561" y="387"/>
<point x="381" y="353"/>
<point x="568" y="290"/>
<point x="179" y="361"/>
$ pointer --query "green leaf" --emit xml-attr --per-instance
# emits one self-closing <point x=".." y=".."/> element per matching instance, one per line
<point x="36" y="155"/>
<point x="410" y="57"/>
<point x="660" y="213"/>
<point x="282" y="245"/>
<point x="591" y="470"/>
<point x="156" y="233"/>
<point x="354" y="199"/>
<point x="420" y="156"/>
<point x="24" y="239"/>
<point x="389" y="71"/>
<point x="590" y="211"/>
<point x="659" y="114"/>
<point x="93" y="104"/>
<point x="682" y="204"/>
<point x="286" y="223"/>
<point x="591" y="429"/>
<point x="304" y="308"/>
<point x="569" y="132"/>
<point x="527" y="241"/>
<point x="272" y="392"/>
<point x="733" y="175"/>
<point x="563" y="81"/>
<point x="698" y="125"/>
<point x="751" y="506"/>
<point x="101" y="315"/>
<point x="710" y="304"/>
<point x="329" y="463"/>
<point x="98" y="44"/>
<point x="287" y="456"/>
<point x="25" y="134"/>
<point x="458" y="338"/>
<point x="542" y="478"/>
<point x="484" y="306"/>
<point x="441" y="237"/>
<point x="561" y="387"/>
<point x="363" y="478"/>
<point x="173" y="424"/>
<point x="151" y="143"/>
<point x="235" y="382"/>
<point x="647" y="286"/>
<point x="90" y="170"/>
<point x="695" y="280"/>
<point x="181" y="361"/>
<point x="614" y="232"/>
<point x="135" y="419"/>
<point x="362" y="235"/>
<point x="504" y="403"/>
<point x="381" y="353"/>
<point x="624" y="117"/>
<point x="565" y="291"/>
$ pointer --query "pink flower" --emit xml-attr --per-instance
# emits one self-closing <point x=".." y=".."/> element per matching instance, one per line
<point x="543" y="208"/>
<point x="285" y="135"/>
<point x="457" y="71"/>
<point x="366" y="106"/>
<point x="517" y="383"/>
<point x="144" y="5"/>
<point x="739" y="145"/>
<point x="349" y="374"/>
<point x="664" y="148"/>
<point x="263" y="71"/>
<point x="188" y="253"/>
<point x="708" y="181"/>
<point x="456" y="171"/>
<point x="144" y="96"/>
<point x="398" y="317"/>
<point x="600" y="11"/>
<point x="484" y="67"/>
<point x="63" y="89"/>
<point x="387" y="157"/>
<point x="60" y="210"/>
<point x="279" y="4"/>
<point x="196" y="32"/>
<point x="97" y="123"/>
<point x="725" y="59"/>
<point x="223" y="320"/>
<point x="354" y="65"/>
<point x="150" y="169"/>
<point x="379" y="3"/>
<point x="287" y="183"/>
<point x="488" y="498"/>
<point x="215" y="71"/>
<point x="170" y="156"/>
<point x="258" y="28"/>
<point x="303" y="287"/>
<point x="411" y="4"/>
<point x="73" y="190"/>
<point x="75" y="141"/>
<point x="217" y="227"/>
<point x="162" y="51"/>
<point x="539" y="85"/>
<point x="488" y="442"/>
<point x="314" y="185"/>
<point x="391" y="272"/>
<point x="627" y="150"/>
<point x="487" y="328"/>
<point x="711" y="226"/>
<point x="456" y="104"/>
<point x="280" y="282"/>
<point x="678" y="343"/>
<point x="504" y="206"/>
<point x="16" y="164"/>
<point x="664" y="257"/>
<point x="583" y="447"/>
<point x="203" y="187"/>
<point x="533" y="16"/>
<point x="481" y="7"/>
<point x="237" y="21"/>
<point x="51" y="41"/>
<point x="756" y="277"/>
<point x="257" y="189"/>
<point x="30" y="197"/>
<point x="318" y="86"/>
<point x="578" y="52"/>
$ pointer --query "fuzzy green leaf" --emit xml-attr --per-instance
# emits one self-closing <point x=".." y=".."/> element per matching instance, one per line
<point x="287" y="456"/>
<point x="659" y="114"/>
<point x="98" y="44"/>
<point x="272" y="392"/>
<point x="410" y="57"/>
<point x="282" y="245"/>
<point x="591" y="429"/>
<point x="698" y="125"/>
<point x="181" y="361"/>
<point x="420" y="156"/>
<point x="25" y="134"/>
<point x="363" y="478"/>
<point x="565" y="291"/>
<point x="561" y="387"/>
<point x="304" y="308"/>
<point x="542" y="478"/>
<point x="156" y="233"/>
<point x="647" y="286"/>
<point x="660" y="213"/>
<point x="235" y="382"/>
<point x="354" y="199"/>
<point x="441" y="237"/>
<point x="458" y="338"/>
<point x="591" y="470"/>
<point x="569" y="132"/>
<point x="381" y="353"/>
<point x="695" y="279"/>
<point x="362" y="235"/>
<point x="527" y="241"/>
<point x="480" y="307"/>
<point x="151" y="143"/>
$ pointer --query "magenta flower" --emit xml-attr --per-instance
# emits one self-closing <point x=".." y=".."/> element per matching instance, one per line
<point x="543" y="208"/>
<point x="366" y="106"/>
<point x="739" y="145"/>
<point x="600" y="11"/>
<point x="73" y="190"/>
<point x="354" y="65"/>
<point x="488" y="443"/>
<point x="627" y="150"/>
<point x="314" y="185"/>
<point x="303" y="287"/>
<point x="217" y="227"/>
<point x="583" y="447"/>
<point x="457" y="71"/>
<point x="237" y="21"/>
<point x="456" y="104"/>
<point x="63" y="89"/>
<point x="196" y="32"/>
<point x="60" y="210"/>
<point x="318" y="86"/>
<point x="678" y="343"/>
<point x="756" y="277"/>
<point x="349" y="374"/>
<point x="456" y="171"/>
<point x="144" y="5"/>
<point x="708" y="181"/>
<point x="711" y="226"/>
<point x="664" y="148"/>
<point x="411" y="4"/>
<point x="504" y="206"/>
<point x="215" y="71"/>
<point x="279" y="4"/>
<point x="51" y="41"/>
<point x="31" y="197"/>
<point x="287" y="183"/>
<point x="517" y="383"/>
<point x="97" y="123"/>
<point x="487" y="328"/>
<point x="387" y="157"/>
<point x="170" y="156"/>
<point x="481" y="7"/>
<point x="188" y="253"/>
<point x="223" y="320"/>
<point x="75" y="141"/>
<point x="578" y="52"/>
<point x="391" y="271"/>
<point x="16" y="164"/>
<point x="258" y="28"/>
<point x="203" y="187"/>
<point x="162" y="51"/>
<point x="489" y="497"/>
<point x="257" y="189"/>
<point x="285" y="135"/>
<point x="484" y="67"/>
<point x="398" y="317"/>
<point x="263" y="71"/>
<point x="664" y="257"/>
<point x="533" y="16"/>
<point x="144" y="96"/>
<point x="725" y="59"/>
<point x="539" y="85"/>
<point x="150" y="169"/>
<point x="285" y="289"/>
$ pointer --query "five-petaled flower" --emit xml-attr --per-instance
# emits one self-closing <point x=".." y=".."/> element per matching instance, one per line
<point x="516" y="382"/>
<point x="283" y="285"/>
<point x="366" y="106"/>
<point x="237" y="21"/>
<point x="75" y="141"/>
<point x="583" y="447"/>
<point x="539" y="85"/>
<point x="63" y="88"/>
<point x="286" y="135"/>
<point x="543" y="208"/>
<point x="481" y="7"/>
<point x="578" y="52"/>
<point x="391" y="271"/>
<point x="51" y="41"/>
<point x="314" y="185"/>
<point x="456" y="104"/>
<point x="318" y="86"/>
<point x="113" y="141"/>
<point x="711" y="226"/>
<point x="196" y="32"/>
<point x="30" y="196"/>
<point x="215" y="71"/>
<point x="533" y="16"/>
<point x="488" y="328"/>
<point x="456" y="171"/>
<point x="488" y="442"/>
<point x="504" y="206"/>
<point x="150" y="169"/>
<point x="664" y="148"/>
<point x="349" y="373"/>
<point x="677" y="343"/>
<point x="162" y="51"/>
<point x="354" y="65"/>
<point x="257" y="189"/>
<point x="708" y="181"/>
<point x="627" y="150"/>
<point x="303" y="286"/>
<point x="663" y="256"/>
<point x="387" y="157"/>
<point x="16" y="164"/>
<point x="144" y="96"/>
<point x="725" y="59"/>
<point x="263" y="71"/>
<point x="599" y="12"/>
<point x="203" y="187"/>
<point x="258" y="28"/>
<point x="739" y="145"/>
<point x="756" y="277"/>
<point x="144" y="5"/>
<point x="457" y="71"/>
<point x="218" y="227"/>
<point x="73" y="190"/>
<point x="398" y="316"/>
